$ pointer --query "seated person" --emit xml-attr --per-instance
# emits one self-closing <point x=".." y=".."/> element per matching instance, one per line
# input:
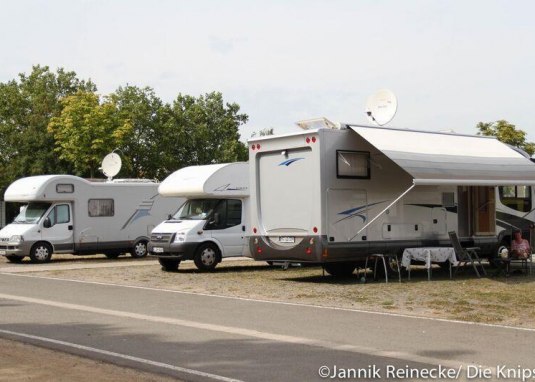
<point x="520" y="248"/>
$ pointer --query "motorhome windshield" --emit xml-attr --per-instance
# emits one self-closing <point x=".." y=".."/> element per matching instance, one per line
<point x="31" y="213"/>
<point x="196" y="209"/>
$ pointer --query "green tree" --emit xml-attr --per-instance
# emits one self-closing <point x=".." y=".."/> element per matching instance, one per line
<point x="147" y="115"/>
<point x="202" y="130"/>
<point x="86" y="130"/>
<point x="507" y="133"/>
<point x="26" y="106"/>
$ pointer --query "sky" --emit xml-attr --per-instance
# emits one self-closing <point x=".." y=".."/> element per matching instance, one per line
<point x="451" y="63"/>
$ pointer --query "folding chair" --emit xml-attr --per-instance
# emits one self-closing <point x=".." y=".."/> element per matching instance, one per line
<point x="466" y="255"/>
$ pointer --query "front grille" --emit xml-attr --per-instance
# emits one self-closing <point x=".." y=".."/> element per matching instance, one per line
<point x="161" y="237"/>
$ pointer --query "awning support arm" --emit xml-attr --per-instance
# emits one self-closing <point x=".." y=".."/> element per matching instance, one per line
<point x="383" y="211"/>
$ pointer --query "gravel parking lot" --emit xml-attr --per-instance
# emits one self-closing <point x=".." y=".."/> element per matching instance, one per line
<point x="496" y="300"/>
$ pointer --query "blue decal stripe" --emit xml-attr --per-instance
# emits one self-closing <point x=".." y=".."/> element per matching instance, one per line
<point x="289" y="161"/>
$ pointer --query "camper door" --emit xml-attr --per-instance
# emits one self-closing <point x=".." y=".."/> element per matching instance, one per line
<point x="227" y="228"/>
<point x="60" y="230"/>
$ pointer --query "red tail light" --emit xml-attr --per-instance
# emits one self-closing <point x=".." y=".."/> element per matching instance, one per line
<point x="258" y="249"/>
<point x="313" y="139"/>
<point x="308" y="250"/>
<point x="308" y="140"/>
<point x="258" y="146"/>
<point x="255" y="230"/>
<point x="315" y="229"/>
<point x="253" y="147"/>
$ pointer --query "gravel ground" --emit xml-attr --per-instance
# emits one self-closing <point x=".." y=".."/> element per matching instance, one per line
<point x="497" y="300"/>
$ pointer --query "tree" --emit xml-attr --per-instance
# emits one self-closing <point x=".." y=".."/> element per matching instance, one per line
<point x="507" y="133"/>
<point x="147" y="115"/>
<point x="202" y="130"/>
<point x="26" y="107"/>
<point x="86" y="130"/>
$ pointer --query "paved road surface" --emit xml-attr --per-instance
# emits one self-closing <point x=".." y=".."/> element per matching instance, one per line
<point x="199" y="337"/>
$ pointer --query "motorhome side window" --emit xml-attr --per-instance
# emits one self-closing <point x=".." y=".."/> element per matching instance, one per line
<point x="101" y="207"/>
<point x="353" y="164"/>
<point x="516" y="197"/>
<point x="59" y="215"/>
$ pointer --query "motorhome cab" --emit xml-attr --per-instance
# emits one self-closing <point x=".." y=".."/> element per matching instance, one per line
<point x="334" y="196"/>
<point x="68" y="214"/>
<point x="211" y="224"/>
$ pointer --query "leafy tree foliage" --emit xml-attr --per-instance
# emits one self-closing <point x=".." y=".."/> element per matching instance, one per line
<point x="203" y="130"/>
<point x="53" y="122"/>
<point x="148" y="116"/>
<point x="26" y="106"/>
<point x="507" y="133"/>
<point x="86" y="130"/>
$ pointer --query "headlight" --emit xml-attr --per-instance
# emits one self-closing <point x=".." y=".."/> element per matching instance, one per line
<point x="180" y="237"/>
<point x="16" y="238"/>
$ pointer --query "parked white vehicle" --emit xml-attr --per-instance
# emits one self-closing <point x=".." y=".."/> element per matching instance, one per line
<point x="334" y="196"/>
<point x="68" y="214"/>
<point x="212" y="223"/>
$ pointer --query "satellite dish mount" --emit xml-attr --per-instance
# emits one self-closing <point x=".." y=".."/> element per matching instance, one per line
<point x="381" y="107"/>
<point x="111" y="165"/>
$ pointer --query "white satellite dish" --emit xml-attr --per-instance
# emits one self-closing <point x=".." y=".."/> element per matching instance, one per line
<point x="111" y="165"/>
<point x="381" y="107"/>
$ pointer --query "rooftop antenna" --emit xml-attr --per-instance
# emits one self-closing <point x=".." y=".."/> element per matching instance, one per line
<point x="381" y="107"/>
<point x="111" y="165"/>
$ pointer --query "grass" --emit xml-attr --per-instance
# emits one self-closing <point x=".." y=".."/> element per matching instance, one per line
<point x="509" y="301"/>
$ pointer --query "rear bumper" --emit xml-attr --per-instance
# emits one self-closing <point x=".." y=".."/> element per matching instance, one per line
<point x="182" y="251"/>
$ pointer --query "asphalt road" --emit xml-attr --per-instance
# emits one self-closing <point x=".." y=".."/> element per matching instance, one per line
<point x="198" y="337"/>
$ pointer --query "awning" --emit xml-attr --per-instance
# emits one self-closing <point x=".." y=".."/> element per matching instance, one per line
<point x="434" y="158"/>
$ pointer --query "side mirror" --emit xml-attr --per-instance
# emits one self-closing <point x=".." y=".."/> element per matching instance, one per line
<point x="169" y="217"/>
<point x="47" y="223"/>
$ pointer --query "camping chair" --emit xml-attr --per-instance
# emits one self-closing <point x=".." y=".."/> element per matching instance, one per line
<point x="466" y="255"/>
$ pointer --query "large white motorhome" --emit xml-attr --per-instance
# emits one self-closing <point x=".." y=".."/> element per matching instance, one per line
<point x="212" y="223"/>
<point x="68" y="214"/>
<point x="334" y="196"/>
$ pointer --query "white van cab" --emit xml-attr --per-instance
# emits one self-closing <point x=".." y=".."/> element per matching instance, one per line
<point x="211" y="224"/>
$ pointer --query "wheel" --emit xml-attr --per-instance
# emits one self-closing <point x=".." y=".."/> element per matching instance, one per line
<point x="207" y="257"/>
<point x="340" y="269"/>
<point x="41" y="253"/>
<point x="14" y="258"/>
<point x="139" y="250"/>
<point x="169" y="265"/>
<point x="112" y="255"/>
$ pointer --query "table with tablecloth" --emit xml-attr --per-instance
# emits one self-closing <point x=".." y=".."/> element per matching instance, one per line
<point x="428" y="255"/>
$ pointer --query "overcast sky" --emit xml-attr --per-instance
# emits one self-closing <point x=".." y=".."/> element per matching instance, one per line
<point x="450" y="63"/>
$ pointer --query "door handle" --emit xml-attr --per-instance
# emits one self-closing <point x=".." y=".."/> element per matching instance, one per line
<point x="70" y="228"/>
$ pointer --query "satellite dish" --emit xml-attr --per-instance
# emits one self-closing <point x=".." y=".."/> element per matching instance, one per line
<point x="111" y="165"/>
<point x="381" y="107"/>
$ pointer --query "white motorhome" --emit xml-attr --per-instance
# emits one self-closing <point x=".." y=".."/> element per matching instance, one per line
<point x="68" y="214"/>
<point x="334" y="196"/>
<point x="212" y="223"/>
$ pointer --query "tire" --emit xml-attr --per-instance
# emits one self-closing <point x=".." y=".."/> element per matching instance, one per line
<point x="112" y="255"/>
<point x="14" y="259"/>
<point x="41" y="253"/>
<point x="340" y="269"/>
<point x="139" y="250"/>
<point x="169" y="265"/>
<point x="207" y="257"/>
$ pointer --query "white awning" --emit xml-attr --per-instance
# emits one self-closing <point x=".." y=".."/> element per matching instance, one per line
<point x="434" y="158"/>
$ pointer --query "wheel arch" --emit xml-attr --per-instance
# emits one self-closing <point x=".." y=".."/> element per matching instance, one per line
<point x="217" y="244"/>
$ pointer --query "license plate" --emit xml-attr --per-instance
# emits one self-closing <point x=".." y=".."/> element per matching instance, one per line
<point x="286" y="239"/>
<point x="2" y="252"/>
<point x="157" y="250"/>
